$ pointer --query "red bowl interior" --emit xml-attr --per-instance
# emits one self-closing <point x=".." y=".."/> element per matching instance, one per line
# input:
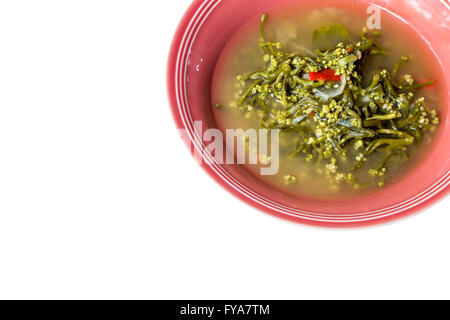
<point x="202" y="35"/>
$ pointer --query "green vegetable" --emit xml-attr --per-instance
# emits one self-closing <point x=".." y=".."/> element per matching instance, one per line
<point x="342" y="123"/>
<point x="290" y="179"/>
<point x="330" y="36"/>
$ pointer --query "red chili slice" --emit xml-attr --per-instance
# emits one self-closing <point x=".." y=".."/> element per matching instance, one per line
<point x="324" y="75"/>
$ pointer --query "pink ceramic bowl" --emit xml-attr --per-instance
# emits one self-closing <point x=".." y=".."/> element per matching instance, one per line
<point x="201" y="36"/>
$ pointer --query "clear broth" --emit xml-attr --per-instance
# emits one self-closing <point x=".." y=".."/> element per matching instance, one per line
<point x="293" y="27"/>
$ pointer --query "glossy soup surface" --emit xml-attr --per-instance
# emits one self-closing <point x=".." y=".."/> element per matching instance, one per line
<point x="293" y="27"/>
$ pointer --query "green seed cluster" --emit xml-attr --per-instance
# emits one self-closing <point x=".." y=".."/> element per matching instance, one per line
<point x="337" y="122"/>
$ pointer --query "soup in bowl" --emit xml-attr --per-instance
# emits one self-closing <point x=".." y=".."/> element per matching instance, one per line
<point x="330" y="113"/>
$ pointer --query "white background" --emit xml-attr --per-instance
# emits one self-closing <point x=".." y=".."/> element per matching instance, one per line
<point x="99" y="198"/>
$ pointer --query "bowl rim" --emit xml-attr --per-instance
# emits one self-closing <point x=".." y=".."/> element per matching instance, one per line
<point x="189" y="25"/>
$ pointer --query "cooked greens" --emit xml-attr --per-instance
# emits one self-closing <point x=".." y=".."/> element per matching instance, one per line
<point x="339" y="118"/>
<point x="329" y="36"/>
